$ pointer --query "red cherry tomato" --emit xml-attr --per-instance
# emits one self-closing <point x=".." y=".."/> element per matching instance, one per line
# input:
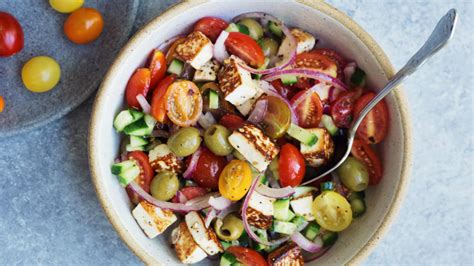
<point x="284" y="90"/>
<point x="367" y="155"/>
<point x="341" y="109"/>
<point x="336" y="58"/>
<point x="158" y="100"/>
<point x="291" y="166"/>
<point x="231" y="121"/>
<point x="157" y="66"/>
<point x="374" y="127"/>
<point x="318" y="61"/>
<point x="247" y="256"/>
<point x="309" y="111"/>
<point x="145" y="176"/>
<point x="246" y="48"/>
<point x="11" y="35"/>
<point x="211" y="27"/>
<point x="208" y="169"/>
<point x="191" y="193"/>
<point x="139" y="83"/>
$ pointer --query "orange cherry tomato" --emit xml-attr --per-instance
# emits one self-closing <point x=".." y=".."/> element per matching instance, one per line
<point x="369" y="158"/>
<point x="158" y="100"/>
<point x="139" y="83"/>
<point x="374" y="127"/>
<point x="157" y="66"/>
<point x="183" y="103"/>
<point x="84" y="25"/>
<point x="2" y="104"/>
<point x="246" y="48"/>
<point x="171" y="53"/>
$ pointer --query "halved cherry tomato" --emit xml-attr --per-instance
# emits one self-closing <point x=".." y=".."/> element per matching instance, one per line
<point x="84" y="25"/>
<point x="284" y="90"/>
<point x="157" y="66"/>
<point x="247" y="256"/>
<point x="211" y="27"/>
<point x="291" y="166"/>
<point x="183" y="103"/>
<point x="11" y="35"/>
<point x="246" y="48"/>
<point x="191" y="193"/>
<point x="235" y="180"/>
<point x="231" y="121"/>
<point x="341" y="109"/>
<point x="158" y="100"/>
<point x="309" y="111"/>
<point x="171" y="53"/>
<point x="145" y="176"/>
<point x="139" y="83"/>
<point x="367" y="155"/>
<point x="277" y="118"/>
<point x="336" y="58"/>
<point x="332" y="211"/>
<point x="208" y="169"/>
<point x="374" y="127"/>
<point x="318" y="61"/>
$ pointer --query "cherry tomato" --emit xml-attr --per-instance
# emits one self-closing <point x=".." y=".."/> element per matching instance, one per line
<point x="138" y="84"/>
<point x="84" y="25"/>
<point x="336" y="58"/>
<point x="183" y="103"/>
<point x="208" y="169"/>
<point x="318" y="61"/>
<point x="247" y="256"/>
<point x="211" y="27"/>
<point x="40" y="74"/>
<point x="364" y="153"/>
<point x="309" y="111"/>
<point x="157" y="66"/>
<point x="66" y="6"/>
<point x="291" y="166"/>
<point x="158" y="100"/>
<point x="245" y="48"/>
<point x="11" y="35"/>
<point x="341" y="109"/>
<point x="171" y="53"/>
<point x="277" y="117"/>
<point x="2" y="104"/>
<point x="235" y="180"/>
<point x="284" y="90"/>
<point x="332" y="211"/>
<point x="232" y="122"/>
<point x="191" y="193"/>
<point x="374" y="127"/>
<point x="145" y="176"/>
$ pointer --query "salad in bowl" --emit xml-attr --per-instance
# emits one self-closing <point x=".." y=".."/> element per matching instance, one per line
<point x="225" y="129"/>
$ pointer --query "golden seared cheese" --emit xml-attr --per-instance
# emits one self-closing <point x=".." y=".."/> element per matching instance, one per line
<point x="257" y="148"/>
<point x="163" y="159"/>
<point x="287" y="255"/>
<point x="186" y="248"/>
<point x="205" y="237"/>
<point x="304" y="41"/>
<point x="208" y="72"/>
<point x="235" y="82"/>
<point x="248" y="105"/>
<point x="260" y="210"/>
<point x="196" y="49"/>
<point x="153" y="220"/>
<point x="321" y="152"/>
<point x="303" y="206"/>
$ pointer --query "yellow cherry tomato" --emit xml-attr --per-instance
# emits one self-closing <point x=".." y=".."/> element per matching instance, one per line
<point x="66" y="6"/>
<point x="2" y="104"/>
<point x="40" y="74"/>
<point x="332" y="211"/>
<point x="235" y="180"/>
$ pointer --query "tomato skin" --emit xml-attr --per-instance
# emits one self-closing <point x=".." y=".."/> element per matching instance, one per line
<point x="157" y="66"/>
<point x="139" y="83"/>
<point x="232" y="122"/>
<point x="367" y="155"/>
<point x="171" y="53"/>
<point x="2" y="104"/>
<point x="284" y="90"/>
<point x="84" y="25"/>
<point x="211" y="27"/>
<point x="291" y="166"/>
<point x="247" y="256"/>
<point x="317" y="61"/>
<point x="191" y="193"/>
<point x="158" y="100"/>
<point x="341" y="109"/>
<point x="246" y="48"/>
<point x="146" y="174"/>
<point x="183" y="103"/>
<point x="336" y="58"/>
<point x="41" y="74"/>
<point x="374" y="127"/>
<point x="208" y="169"/>
<point x="309" y="111"/>
<point x="11" y="35"/>
<point x="332" y="211"/>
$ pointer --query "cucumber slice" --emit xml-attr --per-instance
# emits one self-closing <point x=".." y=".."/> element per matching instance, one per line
<point x="244" y="240"/>
<point x="176" y="67"/>
<point x="274" y="169"/>
<point x="243" y="29"/>
<point x="289" y="79"/>
<point x="142" y="127"/>
<point x="126" y="171"/>
<point x="286" y="228"/>
<point x="129" y="147"/>
<point x="328" y="123"/>
<point x="302" y="135"/>
<point x="358" y="207"/>
<point x="225" y="244"/>
<point x="299" y="191"/>
<point x="358" y="78"/>
<point x="291" y="215"/>
<point x="262" y="234"/>
<point x="275" y="29"/>
<point x="137" y="141"/>
<point x="119" y="168"/>
<point x="312" y="231"/>
<point x="327" y="186"/>
<point x="298" y="221"/>
<point x="281" y="208"/>
<point x="213" y="99"/>
<point x="329" y="238"/>
<point x="232" y="28"/>
<point x="125" y="118"/>
<point x="227" y="259"/>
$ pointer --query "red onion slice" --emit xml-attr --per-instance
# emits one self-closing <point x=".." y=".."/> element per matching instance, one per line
<point x="276" y="193"/>
<point x="258" y="112"/>
<point x="206" y="120"/>
<point x="181" y="197"/>
<point x="307" y="244"/>
<point x="220" y="52"/>
<point x="270" y="90"/>
<point x="166" y="44"/>
<point x="209" y="217"/>
<point x="165" y="204"/>
<point x="143" y="103"/>
<point x="219" y="203"/>
<point x="192" y="164"/>
<point x="307" y="73"/>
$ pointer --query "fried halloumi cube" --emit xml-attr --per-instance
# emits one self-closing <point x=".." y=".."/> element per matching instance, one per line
<point x="153" y="220"/>
<point x="186" y="248"/>
<point x="208" y="72"/>
<point x="205" y="237"/>
<point x="287" y="255"/>
<point x="235" y="82"/>
<point x="163" y="159"/>
<point x="321" y="152"/>
<point x="196" y="49"/>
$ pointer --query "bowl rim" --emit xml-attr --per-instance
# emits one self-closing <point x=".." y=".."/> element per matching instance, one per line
<point x="321" y="6"/>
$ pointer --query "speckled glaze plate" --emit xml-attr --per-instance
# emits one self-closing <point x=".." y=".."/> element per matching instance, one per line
<point x="82" y="66"/>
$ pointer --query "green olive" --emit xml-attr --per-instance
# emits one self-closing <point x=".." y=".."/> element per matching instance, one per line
<point x="185" y="141"/>
<point x="255" y="29"/>
<point x="353" y="174"/>
<point x="164" y="186"/>
<point x="215" y="138"/>
<point x="269" y="46"/>
<point x="231" y="228"/>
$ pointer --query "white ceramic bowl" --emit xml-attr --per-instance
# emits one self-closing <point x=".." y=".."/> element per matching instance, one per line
<point x="336" y="30"/>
